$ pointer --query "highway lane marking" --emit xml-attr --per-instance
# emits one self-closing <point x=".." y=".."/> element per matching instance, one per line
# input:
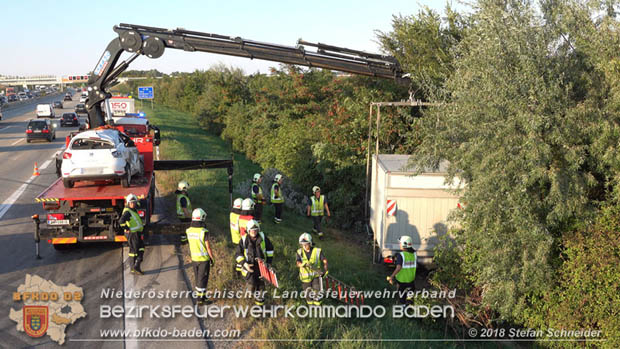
<point x="5" y="128"/>
<point x="4" y="207"/>
<point x="17" y="141"/>
<point x="45" y="164"/>
<point x="131" y="323"/>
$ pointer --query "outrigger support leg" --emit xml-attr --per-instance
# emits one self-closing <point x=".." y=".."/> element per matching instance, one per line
<point x="37" y="236"/>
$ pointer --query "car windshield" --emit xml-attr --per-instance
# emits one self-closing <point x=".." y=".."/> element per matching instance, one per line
<point x="37" y="125"/>
<point x="67" y="116"/>
<point x="92" y="143"/>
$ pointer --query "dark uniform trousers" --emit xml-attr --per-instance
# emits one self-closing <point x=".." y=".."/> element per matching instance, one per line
<point x="201" y="272"/>
<point x="403" y="287"/>
<point x="136" y="247"/>
<point x="258" y="211"/>
<point x="255" y="284"/>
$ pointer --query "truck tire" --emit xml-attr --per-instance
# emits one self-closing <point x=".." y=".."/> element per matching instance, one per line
<point x="126" y="180"/>
<point x="68" y="183"/>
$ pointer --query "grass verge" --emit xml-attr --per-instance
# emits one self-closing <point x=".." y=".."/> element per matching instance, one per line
<point x="348" y="259"/>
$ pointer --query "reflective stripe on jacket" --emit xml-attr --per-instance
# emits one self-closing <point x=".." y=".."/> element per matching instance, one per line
<point x="317" y="205"/>
<point x="407" y="271"/>
<point x="234" y="228"/>
<point x="180" y="212"/>
<point x="197" y="244"/>
<point x="135" y="223"/>
<point x="257" y="198"/>
<point x="279" y="199"/>
<point x="308" y="273"/>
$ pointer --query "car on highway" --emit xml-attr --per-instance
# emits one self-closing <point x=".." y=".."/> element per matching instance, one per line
<point x="45" y="111"/>
<point x="22" y="96"/>
<point x="13" y="98"/>
<point x="105" y="154"/>
<point x="80" y="108"/>
<point x="83" y="99"/>
<point x="40" y="129"/>
<point x="68" y="97"/>
<point x="57" y="104"/>
<point x="1" y="116"/>
<point x="69" y="119"/>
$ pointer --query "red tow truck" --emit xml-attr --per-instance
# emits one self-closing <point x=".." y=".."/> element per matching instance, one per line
<point x="90" y="212"/>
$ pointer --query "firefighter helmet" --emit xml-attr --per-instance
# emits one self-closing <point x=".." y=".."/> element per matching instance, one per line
<point x="199" y="215"/>
<point x="277" y="178"/>
<point x="237" y="203"/>
<point x="256" y="177"/>
<point x="405" y="241"/>
<point x="315" y="189"/>
<point x="183" y="185"/>
<point x="252" y="227"/>
<point x="131" y="198"/>
<point x="305" y="238"/>
<point x="247" y="204"/>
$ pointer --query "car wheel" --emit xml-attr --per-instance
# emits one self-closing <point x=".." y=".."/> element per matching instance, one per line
<point x="126" y="180"/>
<point x="27" y="141"/>
<point x="68" y="183"/>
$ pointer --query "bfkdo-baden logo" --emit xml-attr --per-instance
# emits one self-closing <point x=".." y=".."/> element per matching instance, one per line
<point x="47" y="308"/>
<point x="35" y="320"/>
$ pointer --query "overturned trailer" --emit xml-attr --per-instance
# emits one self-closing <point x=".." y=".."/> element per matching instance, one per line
<point x="403" y="203"/>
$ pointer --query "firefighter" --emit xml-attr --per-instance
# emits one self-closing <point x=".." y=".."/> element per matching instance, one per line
<point x="133" y="226"/>
<point x="254" y="245"/>
<point x="316" y="208"/>
<point x="406" y="263"/>
<point x="257" y="196"/>
<point x="184" y="205"/>
<point x="246" y="215"/>
<point x="235" y="212"/>
<point x="277" y="199"/>
<point x="201" y="254"/>
<point x="309" y="263"/>
<point x="235" y="233"/>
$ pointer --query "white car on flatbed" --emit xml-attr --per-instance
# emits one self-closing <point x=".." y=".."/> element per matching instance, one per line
<point x="102" y="154"/>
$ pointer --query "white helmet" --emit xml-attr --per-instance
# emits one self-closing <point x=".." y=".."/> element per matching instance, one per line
<point x="315" y="189"/>
<point x="277" y="178"/>
<point x="237" y="203"/>
<point x="257" y="176"/>
<point x="131" y="198"/>
<point x="247" y="204"/>
<point x="199" y="215"/>
<point x="405" y="241"/>
<point x="305" y="238"/>
<point x="183" y="185"/>
<point x="252" y="225"/>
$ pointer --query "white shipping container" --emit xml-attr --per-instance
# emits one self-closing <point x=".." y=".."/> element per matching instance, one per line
<point x="423" y="203"/>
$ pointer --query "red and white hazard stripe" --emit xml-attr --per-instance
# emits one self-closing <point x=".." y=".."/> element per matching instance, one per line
<point x="391" y="207"/>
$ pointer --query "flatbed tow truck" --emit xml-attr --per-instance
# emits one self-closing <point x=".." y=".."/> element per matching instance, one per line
<point x="89" y="212"/>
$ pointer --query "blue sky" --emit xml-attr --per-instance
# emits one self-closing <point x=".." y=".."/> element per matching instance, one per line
<point x="68" y="37"/>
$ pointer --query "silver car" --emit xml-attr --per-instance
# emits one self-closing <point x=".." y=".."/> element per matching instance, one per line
<point x="95" y="155"/>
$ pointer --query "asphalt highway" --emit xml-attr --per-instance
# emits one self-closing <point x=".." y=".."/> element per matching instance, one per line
<point x="94" y="267"/>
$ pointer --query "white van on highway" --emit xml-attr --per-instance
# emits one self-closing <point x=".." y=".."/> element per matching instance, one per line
<point x="45" y="111"/>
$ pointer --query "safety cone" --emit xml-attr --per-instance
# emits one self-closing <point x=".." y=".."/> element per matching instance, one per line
<point x="35" y="172"/>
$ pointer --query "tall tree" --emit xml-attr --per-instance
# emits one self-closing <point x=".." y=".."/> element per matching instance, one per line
<point x="518" y="125"/>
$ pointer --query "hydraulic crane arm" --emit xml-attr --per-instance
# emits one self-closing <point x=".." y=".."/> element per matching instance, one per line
<point x="152" y="42"/>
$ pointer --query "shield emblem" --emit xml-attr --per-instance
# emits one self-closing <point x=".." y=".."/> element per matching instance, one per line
<point x="35" y="320"/>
